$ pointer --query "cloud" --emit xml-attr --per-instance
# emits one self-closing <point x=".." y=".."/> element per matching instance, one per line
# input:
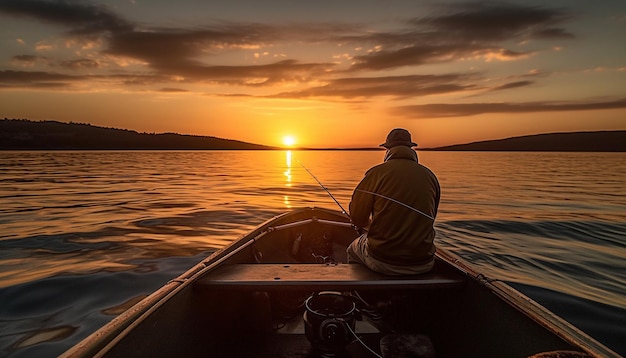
<point x="80" y="64"/>
<point x="428" y="54"/>
<point x="34" y="79"/>
<point x="172" y="48"/>
<point x="491" y="21"/>
<point x="253" y="75"/>
<point x="41" y="79"/>
<point x="474" y="30"/>
<point x="81" y="17"/>
<point x="397" y="86"/>
<point x="172" y="90"/>
<point x="511" y="85"/>
<point x="463" y="31"/>
<point x="471" y="109"/>
<point x="28" y="60"/>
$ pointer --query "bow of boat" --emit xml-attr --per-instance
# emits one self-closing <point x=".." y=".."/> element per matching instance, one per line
<point x="285" y="289"/>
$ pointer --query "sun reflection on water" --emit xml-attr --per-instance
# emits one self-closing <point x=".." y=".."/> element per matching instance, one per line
<point x="288" y="177"/>
<point x="287" y="172"/>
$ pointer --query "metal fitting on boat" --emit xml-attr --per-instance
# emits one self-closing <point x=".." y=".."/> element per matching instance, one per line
<point x="329" y="321"/>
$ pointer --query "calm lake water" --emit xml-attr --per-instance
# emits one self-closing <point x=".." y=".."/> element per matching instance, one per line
<point x="84" y="235"/>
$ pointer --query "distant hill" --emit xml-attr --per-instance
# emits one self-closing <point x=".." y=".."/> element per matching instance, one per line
<point x="603" y="141"/>
<point x="20" y="134"/>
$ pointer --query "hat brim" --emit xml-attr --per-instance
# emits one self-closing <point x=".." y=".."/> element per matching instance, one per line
<point x="395" y="144"/>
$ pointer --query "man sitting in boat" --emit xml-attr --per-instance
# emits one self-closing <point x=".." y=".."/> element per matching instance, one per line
<point x="401" y="197"/>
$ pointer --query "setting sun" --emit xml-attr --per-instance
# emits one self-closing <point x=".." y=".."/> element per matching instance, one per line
<point x="289" y="140"/>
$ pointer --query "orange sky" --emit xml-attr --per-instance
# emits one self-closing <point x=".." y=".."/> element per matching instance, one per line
<point x="331" y="74"/>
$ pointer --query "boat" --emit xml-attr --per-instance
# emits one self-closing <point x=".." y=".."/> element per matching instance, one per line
<point x="285" y="289"/>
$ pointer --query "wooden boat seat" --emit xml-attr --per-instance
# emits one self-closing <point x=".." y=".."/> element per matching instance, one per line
<point x="321" y="277"/>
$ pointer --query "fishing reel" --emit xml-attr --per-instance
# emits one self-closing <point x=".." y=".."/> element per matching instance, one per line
<point x="314" y="247"/>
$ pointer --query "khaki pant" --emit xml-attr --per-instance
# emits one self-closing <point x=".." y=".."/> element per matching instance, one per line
<point x="358" y="252"/>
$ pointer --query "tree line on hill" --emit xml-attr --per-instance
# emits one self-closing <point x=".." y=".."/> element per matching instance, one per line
<point x="21" y="134"/>
<point x="601" y="141"/>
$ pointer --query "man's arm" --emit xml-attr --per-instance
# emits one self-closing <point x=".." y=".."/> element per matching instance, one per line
<point x="361" y="205"/>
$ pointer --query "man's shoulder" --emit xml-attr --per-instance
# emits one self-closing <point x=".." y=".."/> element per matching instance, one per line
<point x="427" y="169"/>
<point x="376" y="168"/>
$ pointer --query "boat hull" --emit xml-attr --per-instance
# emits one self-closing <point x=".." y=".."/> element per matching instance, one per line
<point x="249" y="299"/>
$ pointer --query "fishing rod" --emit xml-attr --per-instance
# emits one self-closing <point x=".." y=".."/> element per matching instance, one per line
<point x="398" y="202"/>
<point x="343" y="211"/>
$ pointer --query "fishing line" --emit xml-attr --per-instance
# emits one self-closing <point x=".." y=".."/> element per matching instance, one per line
<point x="343" y="211"/>
<point x="398" y="202"/>
<point x="361" y="341"/>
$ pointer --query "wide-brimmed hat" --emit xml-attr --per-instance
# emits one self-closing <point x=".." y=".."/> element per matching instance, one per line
<point x="397" y="137"/>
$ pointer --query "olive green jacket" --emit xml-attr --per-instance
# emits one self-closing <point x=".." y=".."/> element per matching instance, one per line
<point x="397" y="234"/>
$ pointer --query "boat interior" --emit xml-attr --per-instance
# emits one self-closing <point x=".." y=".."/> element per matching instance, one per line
<point x="287" y="291"/>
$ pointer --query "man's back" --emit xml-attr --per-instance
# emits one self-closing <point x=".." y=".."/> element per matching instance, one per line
<point x="397" y="234"/>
